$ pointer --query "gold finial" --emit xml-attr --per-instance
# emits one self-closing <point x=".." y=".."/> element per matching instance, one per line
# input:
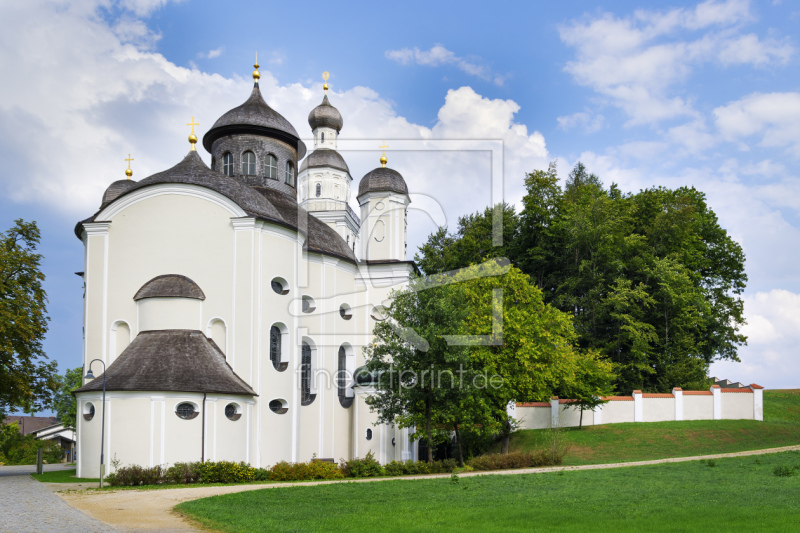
<point x="256" y="74"/>
<point x="383" y="157"/>
<point x="192" y="136"/>
<point x="325" y="77"/>
<point x="129" y="172"/>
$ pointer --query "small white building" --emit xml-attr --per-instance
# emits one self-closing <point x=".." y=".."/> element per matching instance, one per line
<point x="229" y="304"/>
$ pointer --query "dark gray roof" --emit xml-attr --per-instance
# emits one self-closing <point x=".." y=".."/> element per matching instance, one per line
<point x="256" y="117"/>
<point x="382" y="179"/>
<point x="171" y="360"/>
<point x="325" y="116"/>
<point x="324" y="157"/>
<point x="29" y="424"/>
<point x="192" y="170"/>
<point x="319" y="236"/>
<point x="116" y="189"/>
<point x="170" y="286"/>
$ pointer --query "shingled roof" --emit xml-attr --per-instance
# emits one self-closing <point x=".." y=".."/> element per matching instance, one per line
<point x="324" y="157"/>
<point x="382" y="179"/>
<point x="170" y="286"/>
<point x="325" y="115"/>
<point x="171" y="360"/>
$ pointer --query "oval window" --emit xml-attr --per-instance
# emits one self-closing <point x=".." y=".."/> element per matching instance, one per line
<point x="278" y="406"/>
<point x="379" y="313"/>
<point x="308" y="304"/>
<point x="345" y="312"/>
<point x="280" y="286"/>
<point x="233" y="411"/>
<point x="369" y="433"/>
<point x="88" y="411"/>
<point x="186" y="410"/>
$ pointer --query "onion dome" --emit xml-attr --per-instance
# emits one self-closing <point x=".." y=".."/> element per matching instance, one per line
<point x="382" y="179"/>
<point x="116" y="189"/>
<point x="170" y="286"/>
<point x="324" y="157"/>
<point x="325" y="116"/>
<point x="257" y="118"/>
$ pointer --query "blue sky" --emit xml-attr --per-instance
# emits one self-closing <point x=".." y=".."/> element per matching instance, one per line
<point x="648" y="93"/>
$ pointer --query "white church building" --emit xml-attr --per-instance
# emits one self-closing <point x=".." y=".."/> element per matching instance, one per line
<point x="229" y="305"/>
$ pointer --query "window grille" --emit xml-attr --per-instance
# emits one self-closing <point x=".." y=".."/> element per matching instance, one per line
<point x="232" y="412"/>
<point x="278" y="407"/>
<point x="290" y="173"/>
<point x="306" y="398"/>
<point x="271" y="168"/>
<point x="227" y="164"/>
<point x="341" y="379"/>
<point x="319" y="190"/>
<point x="248" y="163"/>
<point x="275" y="346"/>
<point x="186" y="411"/>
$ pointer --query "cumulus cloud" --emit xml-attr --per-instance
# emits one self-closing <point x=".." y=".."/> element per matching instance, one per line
<point x="211" y="54"/>
<point x="774" y="117"/>
<point x="586" y="121"/>
<point x="143" y="8"/>
<point x="636" y="61"/>
<point x="438" y="55"/>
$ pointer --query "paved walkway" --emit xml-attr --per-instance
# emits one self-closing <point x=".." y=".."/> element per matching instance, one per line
<point x="152" y="509"/>
<point x="27" y="505"/>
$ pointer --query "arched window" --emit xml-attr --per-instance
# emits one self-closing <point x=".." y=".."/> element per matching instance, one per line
<point x="271" y="167"/>
<point x="322" y="137"/>
<point x="248" y="163"/>
<point x="319" y="190"/>
<point x="227" y="164"/>
<point x="275" y="347"/>
<point x="341" y="379"/>
<point x="306" y="398"/>
<point x="290" y="173"/>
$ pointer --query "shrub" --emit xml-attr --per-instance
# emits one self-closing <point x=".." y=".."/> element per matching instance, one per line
<point x="314" y="469"/>
<point x="226" y="472"/>
<point x="262" y="474"/>
<point x="135" y="475"/>
<point x="783" y="471"/>
<point x="183" y="473"/>
<point x="366" y="467"/>
<point x="497" y="461"/>
<point x="712" y="462"/>
<point x="395" y="468"/>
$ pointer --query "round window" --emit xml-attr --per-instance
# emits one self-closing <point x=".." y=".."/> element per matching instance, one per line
<point x="278" y="406"/>
<point x="345" y="312"/>
<point x="280" y="286"/>
<point x="88" y="411"/>
<point x="308" y="304"/>
<point x="379" y="313"/>
<point x="186" y="410"/>
<point x="233" y="412"/>
<point x="369" y="434"/>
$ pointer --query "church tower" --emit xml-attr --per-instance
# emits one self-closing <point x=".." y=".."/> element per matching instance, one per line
<point x="383" y="197"/>
<point x="324" y="179"/>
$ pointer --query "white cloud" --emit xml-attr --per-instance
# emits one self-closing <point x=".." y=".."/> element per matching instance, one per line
<point x="636" y="62"/>
<point x="143" y="8"/>
<point x="437" y="56"/>
<point x="775" y="117"/>
<point x="211" y="54"/>
<point x="587" y="121"/>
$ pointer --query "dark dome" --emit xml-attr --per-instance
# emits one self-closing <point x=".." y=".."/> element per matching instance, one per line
<point x="324" y="157"/>
<point x="115" y="190"/>
<point x="170" y="286"/>
<point x="325" y="116"/>
<point x="382" y="179"/>
<point x="255" y="117"/>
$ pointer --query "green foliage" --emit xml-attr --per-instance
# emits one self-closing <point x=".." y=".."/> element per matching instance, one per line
<point x="26" y="379"/>
<point x="135" y="475"/>
<point x="226" y="472"/>
<point x="503" y="461"/>
<point x="18" y="449"/>
<point x="64" y="403"/>
<point x="711" y="463"/>
<point x="183" y="473"/>
<point x="652" y="280"/>
<point x="366" y="467"/>
<point x="314" y="469"/>
<point x="784" y="471"/>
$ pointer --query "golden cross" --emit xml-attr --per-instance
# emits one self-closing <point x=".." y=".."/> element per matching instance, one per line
<point x="192" y="124"/>
<point x="129" y="172"/>
<point x="383" y="147"/>
<point x="325" y="75"/>
<point x="383" y="157"/>
<point x="129" y="160"/>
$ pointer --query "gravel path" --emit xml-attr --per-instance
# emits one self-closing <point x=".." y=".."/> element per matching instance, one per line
<point x="152" y="509"/>
<point x="27" y="505"/>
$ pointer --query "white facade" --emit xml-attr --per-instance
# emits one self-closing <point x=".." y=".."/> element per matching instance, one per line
<point x="233" y="257"/>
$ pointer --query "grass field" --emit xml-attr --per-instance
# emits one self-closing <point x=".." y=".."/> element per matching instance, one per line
<point x="739" y="493"/>
<point x="62" y="476"/>
<point x="612" y="443"/>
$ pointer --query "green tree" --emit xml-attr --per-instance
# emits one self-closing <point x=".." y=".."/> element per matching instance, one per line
<point x="26" y="379"/>
<point x="594" y="379"/>
<point x="64" y="403"/>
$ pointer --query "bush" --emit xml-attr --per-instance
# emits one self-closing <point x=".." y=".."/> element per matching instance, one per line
<point x="18" y="449"/>
<point x="262" y="474"/>
<point x="366" y="467"/>
<point x="712" y="462"/>
<point x="183" y="473"/>
<point x="314" y="469"/>
<point x="497" y="461"/>
<point x="135" y="475"/>
<point x="226" y="472"/>
<point x="783" y="471"/>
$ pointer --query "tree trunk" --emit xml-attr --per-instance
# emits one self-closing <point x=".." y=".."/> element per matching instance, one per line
<point x="460" y="450"/>
<point x="506" y="437"/>
<point x="580" y="423"/>
<point x="428" y="429"/>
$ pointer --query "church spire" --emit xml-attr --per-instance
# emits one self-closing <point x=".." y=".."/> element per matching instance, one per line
<point x="383" y="147"/>
<point x="256" y="73"/>
<point x="192" y="136"/>
<point x="128" y="171"/>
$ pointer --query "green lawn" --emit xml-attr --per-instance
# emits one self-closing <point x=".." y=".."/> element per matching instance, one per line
<point x="62" y="476"/>
<point x="740" y="493"/>
<point x="611" y="443"/>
